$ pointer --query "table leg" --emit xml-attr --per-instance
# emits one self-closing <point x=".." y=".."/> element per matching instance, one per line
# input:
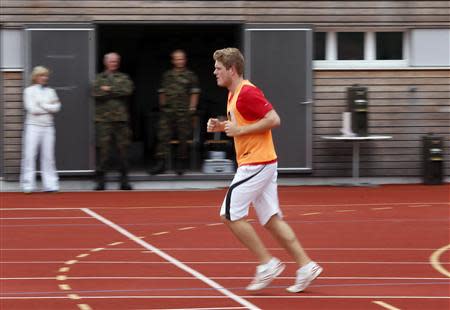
<point x="355" y="168"/>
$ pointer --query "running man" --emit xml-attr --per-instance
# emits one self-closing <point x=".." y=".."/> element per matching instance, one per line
<point x="250" y="120"/>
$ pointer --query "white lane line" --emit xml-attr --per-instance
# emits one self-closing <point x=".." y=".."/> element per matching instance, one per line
<point x="214" y="262"/>
<point x="419" y="206"/>
<point x="97" y="249"/>
<point x="382" y="208"/>
<point x="70" y="262"/>
<point x="385" y="305"/>
<point x="222" y="249"/>
<point x="209" y="206"/>
<point x="172" y="260"/>
<point x="64" y="269"/>
<point x="74" y="296"/>
<point x="61" y="278"/>
<point x="347" y="210"/>
<point x="115" y="243"/>
<point x="218" y="278"/>
<point x="83" y="255"/>
<point x="160" y="233"/>
<point x="186" y="228"/>
<point x="84" y="307"/>
<point x="311" y="213"/>
<point x="214" y="224"/>
<point x="436" y="263"/>
<point x="45" y="218"/>
<point x="293" y="296"/>
<point x="209" y="308"/>
<point x="64" y="287"/>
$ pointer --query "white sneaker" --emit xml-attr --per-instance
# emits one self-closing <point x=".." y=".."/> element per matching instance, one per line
<point x="265" y="274"/>
<point x="305" y="275"/>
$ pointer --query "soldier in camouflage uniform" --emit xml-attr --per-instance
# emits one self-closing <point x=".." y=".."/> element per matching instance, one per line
<point x="178" y="99"/>
<point x="110" y="90"/>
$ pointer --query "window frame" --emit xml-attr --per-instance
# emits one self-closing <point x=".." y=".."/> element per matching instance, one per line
<point x="369" y="61"/>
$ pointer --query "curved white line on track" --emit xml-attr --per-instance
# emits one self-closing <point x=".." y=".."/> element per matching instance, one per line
<point x="435" y="260"/>
<point x="172" y="260"/>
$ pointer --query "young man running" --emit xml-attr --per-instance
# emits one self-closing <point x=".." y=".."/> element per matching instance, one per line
<point x="250" y="120"/>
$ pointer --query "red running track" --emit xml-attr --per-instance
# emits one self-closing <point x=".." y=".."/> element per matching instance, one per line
<point x="384" y="247"/>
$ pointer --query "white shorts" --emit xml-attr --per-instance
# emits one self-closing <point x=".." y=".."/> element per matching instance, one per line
<point x="256" y="184"/>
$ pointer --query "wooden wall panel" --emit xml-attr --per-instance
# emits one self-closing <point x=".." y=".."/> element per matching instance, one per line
<point x="323" y="14"/>
<point x="407" y="118"/>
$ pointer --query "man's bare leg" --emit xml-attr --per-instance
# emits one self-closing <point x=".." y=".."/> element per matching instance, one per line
<point x="284" y="234"/>
<point x="248" y="237"/>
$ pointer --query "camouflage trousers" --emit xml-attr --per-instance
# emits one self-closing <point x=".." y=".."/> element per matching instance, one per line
<point x="174" y="124"/>
<point x="112" y="138"/>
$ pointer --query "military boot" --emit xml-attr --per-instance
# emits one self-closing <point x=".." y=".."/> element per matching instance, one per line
<point x="124" y="184"/>
<point x="100" y="179"/>
<point x="158" y="168"/>
<point x="180" y="166"/>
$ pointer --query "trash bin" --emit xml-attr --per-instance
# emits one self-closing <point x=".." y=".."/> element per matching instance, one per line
<point x="432" y="159"/>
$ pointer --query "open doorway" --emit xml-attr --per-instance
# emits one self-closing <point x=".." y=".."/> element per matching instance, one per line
<point x="145" y="50"/>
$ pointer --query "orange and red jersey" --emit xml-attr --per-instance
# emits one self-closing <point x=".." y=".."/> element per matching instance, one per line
<point x="246" y="106"/>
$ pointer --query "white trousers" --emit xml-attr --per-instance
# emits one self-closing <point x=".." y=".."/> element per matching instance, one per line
<point x="42" y="139"/>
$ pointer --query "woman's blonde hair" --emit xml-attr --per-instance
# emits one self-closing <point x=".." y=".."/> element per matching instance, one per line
<point x="37" y="71"/>
<point x="230" y="57"/>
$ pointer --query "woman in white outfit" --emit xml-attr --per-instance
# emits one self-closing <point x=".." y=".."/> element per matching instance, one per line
<point x="41" y="102"/>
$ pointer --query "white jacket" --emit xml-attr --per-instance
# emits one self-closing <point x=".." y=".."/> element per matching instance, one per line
<point x="40" y="102"/>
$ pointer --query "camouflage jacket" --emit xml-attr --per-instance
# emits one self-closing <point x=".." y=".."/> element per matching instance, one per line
<point x="178" y="86"/>
<point x="111" y="106"/>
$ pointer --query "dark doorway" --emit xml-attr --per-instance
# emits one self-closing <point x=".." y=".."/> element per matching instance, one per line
<point x="145" y="51"/>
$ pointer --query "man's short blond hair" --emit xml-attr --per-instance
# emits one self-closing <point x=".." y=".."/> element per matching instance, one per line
<point x="38" y="71"/>
<point x="230" y="57"/>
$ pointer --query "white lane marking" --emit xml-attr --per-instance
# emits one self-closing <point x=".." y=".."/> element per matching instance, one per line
<point x="64" y="287"/>
<point x="84" y="307"/>
<point x="347" y="210"/>
<point x="64" y="269"/>
<point x="160" y="233"/>
<point x="219" y="278"/>
<point x="209" y="206"/>
<point x="61" y="278"/>
<point x="70" y="262"/>
<point x="115" y="243"/>
<point x="172" y="260"/>
<point x="223" y="249"/>
<point x="293" y="296"/>
<point x="74" y="296"/>
<point x="311" y="213"/>
<point x="186" y="228"/>
<point x="83" y="255"/>
<point x="385" y="305"/>
<point x="214" y="262"/>
<point x="209" y="308"/>
<point x="45" y="218"/>
<point x="214" y="224"/>
<point x="382" y="208"/>
<point x="419" y="206"/>
<point x="97" y="249"/>
<point x="436" y="263"/>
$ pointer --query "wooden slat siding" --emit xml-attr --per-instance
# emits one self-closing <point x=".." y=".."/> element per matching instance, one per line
<point x="407" y="117"/>
<point x="12" y="123"/>
<point x="323" y="14"/>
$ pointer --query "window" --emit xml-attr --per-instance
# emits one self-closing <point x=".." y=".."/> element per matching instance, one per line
<point x="430" y="47"/>
<point x="350" y="45"/>
<point x="319" y="45"/>
<point x="355" y="50"/>
<point x="11" y="49"/>
<point x="389" y="45"/>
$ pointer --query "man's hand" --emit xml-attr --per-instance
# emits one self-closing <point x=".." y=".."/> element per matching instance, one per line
<point x="231" y="129"/>
<point x="105" y="88"/>
<point x="213" y="125"/>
